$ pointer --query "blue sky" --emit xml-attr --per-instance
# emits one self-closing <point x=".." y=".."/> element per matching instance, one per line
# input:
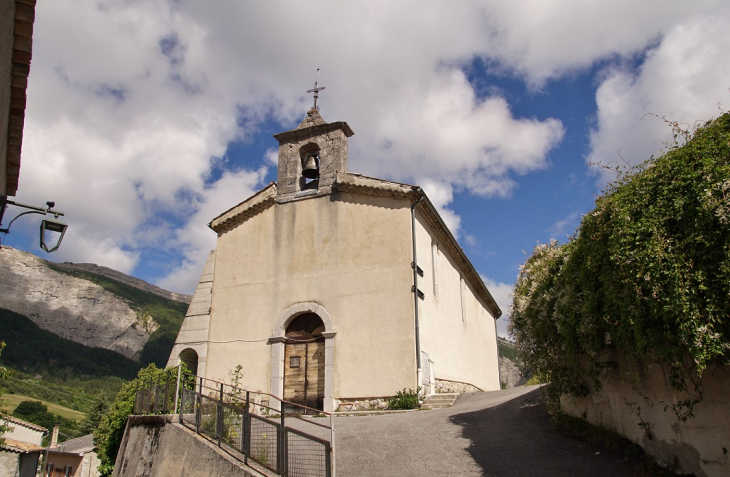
<point x="147" y="118"/>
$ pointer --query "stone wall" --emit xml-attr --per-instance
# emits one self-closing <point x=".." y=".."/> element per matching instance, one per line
<point x="642" y="412"/>
<point x="446" y="386"/>
<point x="363" y="404"/>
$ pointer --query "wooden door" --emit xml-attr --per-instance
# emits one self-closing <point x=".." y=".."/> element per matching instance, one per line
<point x="304" y="374"/>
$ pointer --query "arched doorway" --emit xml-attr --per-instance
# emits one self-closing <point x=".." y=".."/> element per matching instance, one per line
<point x="304" y="361"/>
<point x="189" y="358"/>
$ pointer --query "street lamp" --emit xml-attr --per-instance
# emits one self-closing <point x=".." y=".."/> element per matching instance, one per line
<point x="49" y="227"/>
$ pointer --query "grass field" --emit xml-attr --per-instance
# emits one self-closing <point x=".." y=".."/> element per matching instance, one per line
<point x="14" y="399"/>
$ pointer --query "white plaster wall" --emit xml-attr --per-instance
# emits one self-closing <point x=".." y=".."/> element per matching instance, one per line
<point x="24" y="434"/>
<point x="461" y="350"/>
<point x="351" y="255"/>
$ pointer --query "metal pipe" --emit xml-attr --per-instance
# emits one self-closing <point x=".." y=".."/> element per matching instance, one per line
<point x="415" y="284"/>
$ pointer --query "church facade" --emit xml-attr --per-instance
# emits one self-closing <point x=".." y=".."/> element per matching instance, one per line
<point x="329" y="287"/>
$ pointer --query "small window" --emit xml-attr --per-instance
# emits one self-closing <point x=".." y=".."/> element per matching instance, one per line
<point x="67" y="471"/>
<point x="294" y="361"/>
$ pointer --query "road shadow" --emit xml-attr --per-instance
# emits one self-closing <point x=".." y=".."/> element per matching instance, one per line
<point x="517" y="439"/>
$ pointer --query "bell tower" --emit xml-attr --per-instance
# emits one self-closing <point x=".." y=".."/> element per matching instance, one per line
<point x="310" y="156"/>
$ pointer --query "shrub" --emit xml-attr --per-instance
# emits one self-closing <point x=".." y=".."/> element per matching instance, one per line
<point x="405" y="399"/>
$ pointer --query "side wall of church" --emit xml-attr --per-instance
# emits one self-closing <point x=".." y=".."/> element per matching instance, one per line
<point x="457" y="331"/>
<point x="351" y="254"/>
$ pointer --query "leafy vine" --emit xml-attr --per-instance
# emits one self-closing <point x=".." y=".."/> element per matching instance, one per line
<point x="646" y="277"/>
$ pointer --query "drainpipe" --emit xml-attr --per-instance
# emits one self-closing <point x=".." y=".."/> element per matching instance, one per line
<point x="415" y="285"/>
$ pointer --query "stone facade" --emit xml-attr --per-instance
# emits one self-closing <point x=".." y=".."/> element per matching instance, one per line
<point x="314" y="135"/>
<point x="446" y="386"/>
<point x="371" y="404"/>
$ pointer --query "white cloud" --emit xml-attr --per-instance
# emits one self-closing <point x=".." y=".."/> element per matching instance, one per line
<point x="682" y="79"/>
<point x="195" y="240"/>
<point x="502" y="293"/>
<point x="564" y="227"/>
<point x="131" y="103"/>
<point x="546" y="39"/>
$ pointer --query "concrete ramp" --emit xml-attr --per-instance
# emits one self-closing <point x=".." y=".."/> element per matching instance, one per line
<point x="152" y="447"/>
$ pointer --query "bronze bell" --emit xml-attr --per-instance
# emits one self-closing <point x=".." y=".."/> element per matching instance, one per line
<point x="311" y="170"/>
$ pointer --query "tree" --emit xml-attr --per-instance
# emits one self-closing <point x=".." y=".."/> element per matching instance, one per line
<point x="94" y="416"/>
<point x="108" y="435"/>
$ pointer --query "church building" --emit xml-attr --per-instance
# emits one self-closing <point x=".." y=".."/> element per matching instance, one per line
<point x="329" y="287"/>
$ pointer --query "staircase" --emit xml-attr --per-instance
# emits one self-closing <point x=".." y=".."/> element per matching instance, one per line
<point x="438" y="401"/>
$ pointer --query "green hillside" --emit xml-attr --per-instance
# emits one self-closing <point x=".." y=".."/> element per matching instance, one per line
<point x="507" y="350"/>
<point x="47" y="367"/>
<point x="12" y="401"/>
<point x="36" y="351"/>
<point x="169" y="314"/>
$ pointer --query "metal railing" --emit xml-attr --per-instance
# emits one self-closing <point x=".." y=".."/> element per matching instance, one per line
<point x="286" y="438"/>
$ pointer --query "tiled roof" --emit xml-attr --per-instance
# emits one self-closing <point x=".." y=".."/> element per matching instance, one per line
<point x="80" y="445"/>
<point x="20" y="447"/>
<point x="19" y="422"/>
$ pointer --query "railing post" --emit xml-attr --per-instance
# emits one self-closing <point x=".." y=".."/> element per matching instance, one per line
<point x="165" y="406"/>
<point x="331" y="458"/>
<point x="219" y="416"/>
<point x="157" y="394"/>
<point x="177" y="392"/>
<point x="329" y="461"/>
<point x="282" y="451"/>
<point x="246" y="428"/>
<point x="150" y="405"/>
<point x="198" y="410"/>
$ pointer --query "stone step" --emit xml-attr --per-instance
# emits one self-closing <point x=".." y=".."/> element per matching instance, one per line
<point x="439" y="401"/>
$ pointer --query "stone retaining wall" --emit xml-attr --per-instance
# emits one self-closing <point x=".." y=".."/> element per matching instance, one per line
<point x="363" y="404"/>
<point x="446" y="386"/>
<point x="642" y="412"/>
<point x="152" y="447"/>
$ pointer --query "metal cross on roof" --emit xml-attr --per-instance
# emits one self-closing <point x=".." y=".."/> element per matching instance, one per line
<point x="316" y="91"/>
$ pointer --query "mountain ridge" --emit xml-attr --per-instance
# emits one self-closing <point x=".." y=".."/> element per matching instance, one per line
<point x="92" y="305"/>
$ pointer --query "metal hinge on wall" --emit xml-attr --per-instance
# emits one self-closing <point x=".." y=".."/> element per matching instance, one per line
<point x="421" y="295"/>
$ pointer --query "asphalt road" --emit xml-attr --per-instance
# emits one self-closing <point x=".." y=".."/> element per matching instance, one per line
<point x="500" y="434"/>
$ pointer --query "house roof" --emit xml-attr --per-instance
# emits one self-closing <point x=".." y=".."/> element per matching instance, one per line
<point x="20" y="447"/>
<point x="19" y="68"/>
<point x="19" y="422"/>
<point x="80" y="445"/>
<point x="357" y="183"/>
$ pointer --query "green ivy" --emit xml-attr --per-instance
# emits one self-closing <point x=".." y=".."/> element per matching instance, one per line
<point x="646" y="276"/>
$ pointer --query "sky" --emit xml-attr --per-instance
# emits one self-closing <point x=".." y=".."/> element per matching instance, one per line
<point x="147" y="118"/>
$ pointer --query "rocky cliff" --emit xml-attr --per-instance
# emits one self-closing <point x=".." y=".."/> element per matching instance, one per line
<point x="510" y="374"/>
<point x="73" y="308"/>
